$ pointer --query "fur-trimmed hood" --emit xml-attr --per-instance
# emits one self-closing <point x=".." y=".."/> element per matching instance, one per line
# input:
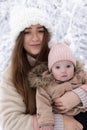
<point x="39" y="76"/>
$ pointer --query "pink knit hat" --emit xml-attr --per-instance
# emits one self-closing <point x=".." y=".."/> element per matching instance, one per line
<point x="60" y="52"/>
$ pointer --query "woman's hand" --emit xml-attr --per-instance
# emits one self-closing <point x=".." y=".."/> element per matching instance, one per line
<point x="71" y="124"/>
<point x="84" y="86"/>
<point x="35" y="123"/>
<point x="47" y="128"/>
<point x="68" y="101"/>
<point x="36" y="127"/>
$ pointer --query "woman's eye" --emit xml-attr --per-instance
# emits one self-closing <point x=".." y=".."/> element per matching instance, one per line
<point x="27" y="32"/>
<point x="41" y="31"/>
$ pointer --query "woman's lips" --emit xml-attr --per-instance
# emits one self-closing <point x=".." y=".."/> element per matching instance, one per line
<point x="35" y="45"/>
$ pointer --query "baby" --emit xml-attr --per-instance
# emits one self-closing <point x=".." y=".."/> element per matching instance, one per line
<point x="63" y="73"/>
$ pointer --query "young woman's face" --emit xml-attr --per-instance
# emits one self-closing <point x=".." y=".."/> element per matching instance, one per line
<point x="33" y="39"/>
<point x="63" y="70"/>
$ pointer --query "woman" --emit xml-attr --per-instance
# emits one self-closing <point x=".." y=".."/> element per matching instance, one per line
<point x="31" y="31"/>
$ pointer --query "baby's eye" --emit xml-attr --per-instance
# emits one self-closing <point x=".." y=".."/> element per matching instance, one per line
<point x="57" y="67"/>
<point x="68" y="66"/>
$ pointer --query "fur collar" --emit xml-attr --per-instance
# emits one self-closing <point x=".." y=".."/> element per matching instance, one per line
<point x="39" y="76"/>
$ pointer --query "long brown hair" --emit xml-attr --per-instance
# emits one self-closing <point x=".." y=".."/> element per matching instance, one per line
<point x="21" y="67"/>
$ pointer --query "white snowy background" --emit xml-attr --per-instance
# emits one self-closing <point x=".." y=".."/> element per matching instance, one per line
<point x="69" y="19"/>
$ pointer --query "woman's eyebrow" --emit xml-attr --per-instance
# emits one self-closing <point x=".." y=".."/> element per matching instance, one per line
<point x="41" y="27"/>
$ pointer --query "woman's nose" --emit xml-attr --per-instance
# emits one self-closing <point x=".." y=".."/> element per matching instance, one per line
<point x="34" y="37"/>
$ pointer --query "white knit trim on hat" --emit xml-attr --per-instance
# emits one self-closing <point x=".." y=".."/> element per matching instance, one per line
<point x="22" y="17"/>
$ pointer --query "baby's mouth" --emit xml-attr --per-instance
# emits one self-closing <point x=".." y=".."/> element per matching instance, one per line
<point x="64" y="76"/>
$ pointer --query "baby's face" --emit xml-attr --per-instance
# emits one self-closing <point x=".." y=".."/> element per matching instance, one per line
<point x="63" y="70"/>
